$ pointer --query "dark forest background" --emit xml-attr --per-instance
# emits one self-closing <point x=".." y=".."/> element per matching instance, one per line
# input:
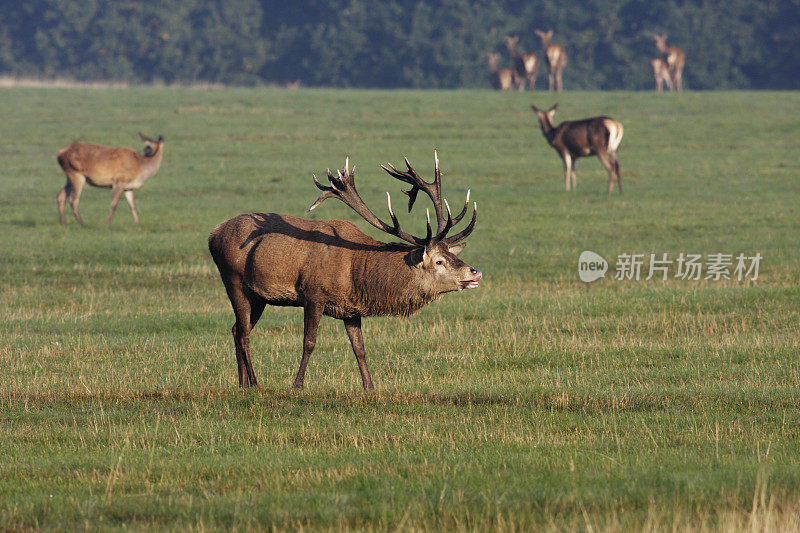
<point x="731" y="44"/>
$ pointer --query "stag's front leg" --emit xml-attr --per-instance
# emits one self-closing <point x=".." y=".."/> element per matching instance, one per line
<point x="353" y="327"/>
<point x="312" y="313"/>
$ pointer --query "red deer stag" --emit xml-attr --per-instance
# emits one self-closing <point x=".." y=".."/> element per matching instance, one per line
<point x="556" y="59"/>
<point x="526" y="64"/>
<point x="120" y="169"/>
<point x="661" y="74"/>
<point x="503" y="79"/>
<point x="675" y="59"/>
<point x="598" y="136"/>
<point x="331" y="268"/>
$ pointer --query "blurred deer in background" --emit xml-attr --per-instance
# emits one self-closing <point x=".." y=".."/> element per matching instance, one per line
<point x="556" y="59"/>
<point x="674" y="57"/>
<point x="331" y="268"/>
<point x="120" y="169"/>
<point x="661" y="74"/>
<point x="526" y="64"/>
<point x="598" y="136"/>
<point x="503" y="79"/>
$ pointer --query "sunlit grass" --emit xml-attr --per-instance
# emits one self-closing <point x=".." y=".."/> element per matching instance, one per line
<point x="534" y="402"/>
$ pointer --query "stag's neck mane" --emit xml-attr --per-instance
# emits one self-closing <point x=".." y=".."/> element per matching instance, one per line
<point x="389" y="283"/>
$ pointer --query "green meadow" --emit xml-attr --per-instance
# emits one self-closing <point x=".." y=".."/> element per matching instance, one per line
<point x="535" y="402"/>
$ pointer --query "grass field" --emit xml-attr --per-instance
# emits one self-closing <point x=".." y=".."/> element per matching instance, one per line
<point x="536" y="401"/>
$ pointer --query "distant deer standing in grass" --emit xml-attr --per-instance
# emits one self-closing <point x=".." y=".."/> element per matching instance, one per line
<point x="598" y="136"/>
<point x="674" y="57"/>
<point x="120" y="169"/>
<point x="526" y="64"/>
<point x="556" y="59"/>
<point x="661" y="74"/>
<point x="503" y="79"/>
<point x="330" y="267"/>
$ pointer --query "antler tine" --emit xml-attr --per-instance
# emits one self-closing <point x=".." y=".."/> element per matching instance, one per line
<point x="463" y="212"/>
<point x="327" y="192"/>
<point x="428" y="217"/>
<point x="466" y="231"/>
<point x="433" y="189"/>
<point x="449" y="224"/>
<point x="437" y="174"/>
<point x="395" y="222"/>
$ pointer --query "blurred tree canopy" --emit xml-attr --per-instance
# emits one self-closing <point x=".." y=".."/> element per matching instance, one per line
<point x="730" y="44"/>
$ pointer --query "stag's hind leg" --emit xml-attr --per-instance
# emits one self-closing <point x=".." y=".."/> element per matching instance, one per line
<point x="353" y="327"/>
<point x="247" y="306"/>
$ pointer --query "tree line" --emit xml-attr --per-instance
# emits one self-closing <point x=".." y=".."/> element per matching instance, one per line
<point x="730" y="44"/>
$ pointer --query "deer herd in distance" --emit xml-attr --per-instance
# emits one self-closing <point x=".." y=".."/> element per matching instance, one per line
<point x="667" y="68"/>
<point x="331" y="268"/>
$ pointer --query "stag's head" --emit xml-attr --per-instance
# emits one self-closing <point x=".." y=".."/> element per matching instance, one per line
<point x="151" y="147"/>
<point x="434" y="256"/>
<point x="511" y="42"/>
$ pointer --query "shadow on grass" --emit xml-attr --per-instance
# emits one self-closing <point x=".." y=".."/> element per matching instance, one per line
<point x="27" y="223"/>
<point x="333" y="400"/>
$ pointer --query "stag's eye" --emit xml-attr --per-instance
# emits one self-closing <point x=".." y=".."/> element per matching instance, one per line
<point x="439" y="262"/>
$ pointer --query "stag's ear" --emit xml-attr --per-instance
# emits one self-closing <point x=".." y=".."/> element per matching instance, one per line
<point x="552" y="110"/>
<point x="145" y="138"/>
<point x="457" y="248"/>
<point x="160" y="138"/>
<point x="416" y="257"/>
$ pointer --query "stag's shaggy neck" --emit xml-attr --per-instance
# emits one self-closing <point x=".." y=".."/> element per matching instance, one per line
<point x="391" y="283"/>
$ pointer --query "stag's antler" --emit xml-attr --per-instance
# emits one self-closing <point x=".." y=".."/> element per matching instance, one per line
<point x="343" y="187"/>
<point x="434" y="190"/>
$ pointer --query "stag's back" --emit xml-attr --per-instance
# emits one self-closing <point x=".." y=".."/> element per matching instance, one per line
<point x="288" y="260"/>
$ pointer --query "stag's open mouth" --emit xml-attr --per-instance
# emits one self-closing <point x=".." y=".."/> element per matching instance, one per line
<point x="471" y="283"/>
